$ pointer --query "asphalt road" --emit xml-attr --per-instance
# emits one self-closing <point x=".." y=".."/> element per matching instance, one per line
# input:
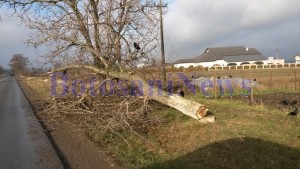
<point x="23" y="143"/>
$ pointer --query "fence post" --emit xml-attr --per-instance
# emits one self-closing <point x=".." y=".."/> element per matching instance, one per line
<point x="295" y="80"/>
<point x="215" y="85"/>
<point x="271" y="79"/>
<point x="251" y="94"/>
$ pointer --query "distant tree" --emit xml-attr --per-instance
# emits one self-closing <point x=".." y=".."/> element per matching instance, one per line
<point x="19" y="63"/>
<point x="1" y="70"/>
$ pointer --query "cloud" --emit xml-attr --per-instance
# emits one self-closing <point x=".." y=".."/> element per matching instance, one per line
<point x="194" y="25"/>
<point x="191" y="26"/>
<point x="12" y="38"/>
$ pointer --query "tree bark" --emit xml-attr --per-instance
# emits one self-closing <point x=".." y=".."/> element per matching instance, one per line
<point x="185" y="106"/>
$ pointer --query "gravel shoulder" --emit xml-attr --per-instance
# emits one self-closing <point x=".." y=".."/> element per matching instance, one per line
<point x="75" y="149"/>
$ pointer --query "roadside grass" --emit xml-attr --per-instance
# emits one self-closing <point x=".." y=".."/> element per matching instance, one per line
<point x="267" y="133"/>
<point x="41" y="86"/>
<point x="243" y="136"/>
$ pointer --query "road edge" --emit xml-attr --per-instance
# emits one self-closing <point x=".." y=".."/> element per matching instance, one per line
<point x="56" y="148"/>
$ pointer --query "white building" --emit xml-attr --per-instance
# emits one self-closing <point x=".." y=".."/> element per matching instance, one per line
<point x="225" y="56"/>
<point x="297" y="58"/>
<point x="275" y="61"/>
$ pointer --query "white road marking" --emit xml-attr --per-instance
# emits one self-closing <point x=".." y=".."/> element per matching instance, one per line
<point x="3" y="79"/>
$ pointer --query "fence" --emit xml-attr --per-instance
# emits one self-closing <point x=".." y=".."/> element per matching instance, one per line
<point x="244" y="67"/>
<point x="273" y="84"/>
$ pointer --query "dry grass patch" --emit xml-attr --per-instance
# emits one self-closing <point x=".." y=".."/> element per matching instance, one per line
<point x="243" y="136"/>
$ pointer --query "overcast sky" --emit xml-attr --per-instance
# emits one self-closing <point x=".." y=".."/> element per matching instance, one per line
<point x="191" y="26"/>
<point x="194" y="25"/>
<point x="12" y="39"/>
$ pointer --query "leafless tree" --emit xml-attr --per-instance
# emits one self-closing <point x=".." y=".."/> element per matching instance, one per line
<point x="103" y="36"/>
<point x="1" y="70"/>
<point x="105" y="30"/>
<point x="19" y="63"/>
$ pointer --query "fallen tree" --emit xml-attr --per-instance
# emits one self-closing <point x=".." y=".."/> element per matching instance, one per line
<point x="109" y="35"/>
<point x="185" y="106"/>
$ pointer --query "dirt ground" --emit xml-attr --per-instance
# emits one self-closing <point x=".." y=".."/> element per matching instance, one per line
<point x="273" y="100"/>
<point x="75" y="149"/>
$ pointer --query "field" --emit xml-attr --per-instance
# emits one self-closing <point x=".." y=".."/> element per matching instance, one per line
<point x="259" y="135"/>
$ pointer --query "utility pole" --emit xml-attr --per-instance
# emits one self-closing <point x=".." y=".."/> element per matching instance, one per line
<point x="162" y="44"/>
<point x="163" y="59"/>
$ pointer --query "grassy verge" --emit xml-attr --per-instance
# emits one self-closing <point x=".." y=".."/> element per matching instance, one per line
<point x="243" y="137"/>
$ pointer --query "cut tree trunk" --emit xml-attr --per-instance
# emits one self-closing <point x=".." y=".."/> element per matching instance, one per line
<point x="208" y="119"/>
<point x="185" y="106"/>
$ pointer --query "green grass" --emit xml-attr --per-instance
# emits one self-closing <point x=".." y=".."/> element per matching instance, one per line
<point x="243" y="136"/>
